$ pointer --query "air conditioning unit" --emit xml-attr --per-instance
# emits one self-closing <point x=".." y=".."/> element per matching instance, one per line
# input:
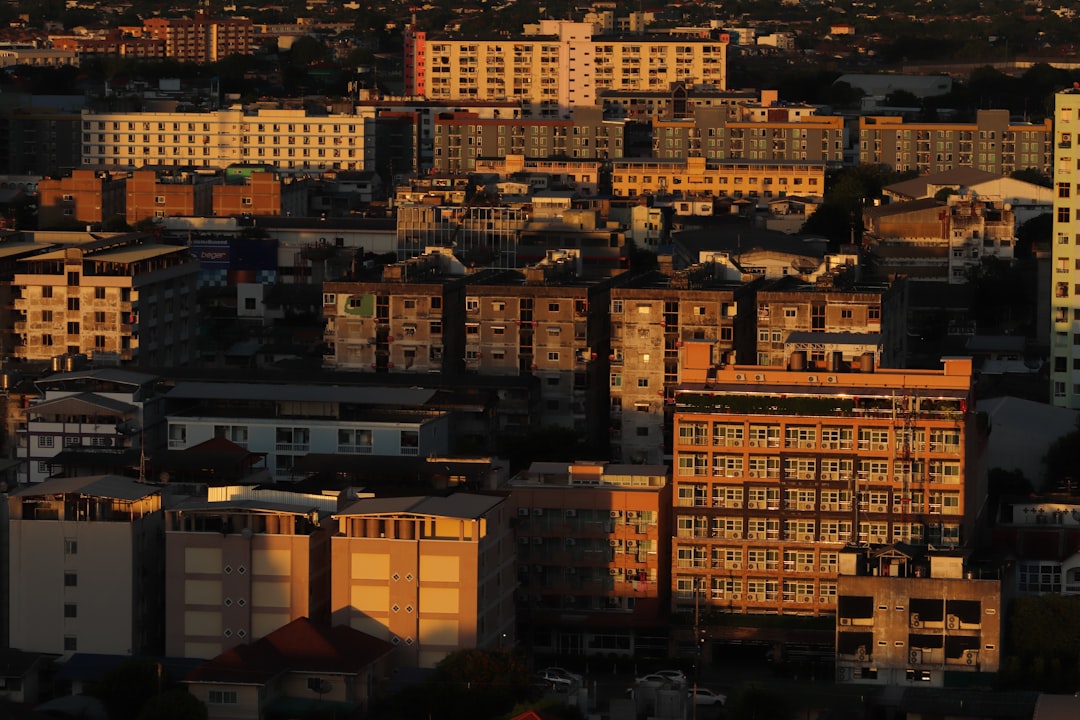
<point x="755" y="597"/>
<point x="615" y="514"/>
<point x="631" y="544"/>
<point x="806" y="443"/>
<point x="806" y="506"/>
<point x="523" y="541"/>
<point x="759" y="378"/>
<point x="879" y="508"/>
<point x="571" y="513"/>
<point x="538" y="512"/>
<point x="752" y="566"/>
<point x="879" y="477"/>
<point x="735" y="565"/>
<point x="613" y="542"/>
<point x="830" y="378"/>
<point x="631" y="515"/>
<point x="806" y="538"/>
<point x="971" y="657"/>
<point x="615" y="571"/>
<point x="523" y="512"/>
<point x="753" y="473"/>
<point x="751" y="536"/>
<point x="829" y="445"/>
<point x="753" y="443"/>
<point x="740" y="377"/>
<point x="807" y="568"/>
<point x="734" y="503"/>
<point x="915" y="656"/>
<point x="804" y="599"/>
<point x="880" y="446"/>
<point x="952" y="622"/>
<point x="823" y="568"/>
<point x="811" y="378"/>
<point x="752" y="504"/>
<point x="806" y="476"/>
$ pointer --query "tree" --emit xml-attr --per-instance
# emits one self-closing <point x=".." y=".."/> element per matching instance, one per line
<point x="306" y="50"/>
<point x="753" y="702"/>
<point x="177" y="704"/>
<point x="1062" y="461"/>
<point x="1032" y="175"/>
<point x="1044" y="634"/>
<point x="126" y="688"/>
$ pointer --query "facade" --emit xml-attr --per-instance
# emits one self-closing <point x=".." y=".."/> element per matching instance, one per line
<point x="248" y="191"/>
<point x="593" y="552"/>
<point x="719" y="178"/>
<point x="462" y="139"/>
<point x="294" y="141"/>
<point x="39" y="134"/>
<point x="100" y="409"/>
<point x="201" y="39"/>
<point x="777" y="470"/>
<point x="242" y="563"/>
<point x="905" y="619"/>
<point x="580" y="175"/>
<point x="791" y="314"/>
<point x="992" y="143"/>
<point x="287" y="422"/>
<point x="86" y="568"/>
<point x="84" y="196"/>
<point x="481" y="233"/>
<point x="1042" y="536"/>
<point x="1065" y="286"/>
<point x="652" y="318"/>
<point x="115" y="298"/>
<point x="679" y="101"/>
<point x="557" y="65"/>
<point x="431" y="575"/>
<point x="154" y="194"/>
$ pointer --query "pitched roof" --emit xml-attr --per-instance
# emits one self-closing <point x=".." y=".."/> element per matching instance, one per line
<point x="116" y="487"/>
<point x="458" y="505"/>
<point x="919" y="187"/>
<point x="300" y="646"/>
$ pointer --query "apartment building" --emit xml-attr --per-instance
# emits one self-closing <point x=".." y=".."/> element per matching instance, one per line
<point x="429" y="574"/>
<point x="481" y="231"/>
<point x="246" y="191"/>
<point x="911" y="618"/>
<point x="86" y="409"/>
<point x="777" y="470"/>
<point x="557" y="65"/>
<point x="292" y="140"/>
<point x="1043" y="535"/>
<point x="241" y="563"/>
<point x="1065" y="297"/>
<point x="112" y="42"/>
<point x="86" y="568"/>
<point x="85" y="196"/>
<point x="289" y="421"/>
<point x="632" y="177"/>
<point x="993" y="143"/>
<point x="652" y="318"/>
<point x="113" y="297"/>
<point x="834" y="315"/>
<point x="201" y="39"/>
<point x="679" y="101"/>
<point x="593" y="555"/>
<point x="777" y="133"/>
<point x="39" y="134"/>
<point x="462" y="139"/>
<point x="157" y="193"/>
<point x="580" y="175"/>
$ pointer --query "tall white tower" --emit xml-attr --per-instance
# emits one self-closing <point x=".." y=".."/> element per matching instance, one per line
<point x="1065" y="278"/>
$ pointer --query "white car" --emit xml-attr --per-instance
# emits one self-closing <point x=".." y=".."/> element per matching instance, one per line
<point x="555" y="682"/>
<point x="675" y="676"/>
<point x="705" y="696"/>
<point x="562" y="672"/>
<point x="652" y="681"/>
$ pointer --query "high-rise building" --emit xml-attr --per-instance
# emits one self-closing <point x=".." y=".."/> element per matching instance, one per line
<point x="777" y="470"/>
<point x="201" y="39"/>
<point x="1065" y="286"/>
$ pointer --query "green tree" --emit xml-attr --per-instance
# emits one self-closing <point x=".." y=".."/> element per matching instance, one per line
<point x="1044" y="637"/>
<point x="176" y="704"/>
<point x="126" y="688"/>
<point x="1032" y="175"/>
<point x="307" y="50"/>
<point x="1062" y="461"/>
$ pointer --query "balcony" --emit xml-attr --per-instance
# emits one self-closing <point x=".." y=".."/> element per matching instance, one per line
<point x="292" y="447"/>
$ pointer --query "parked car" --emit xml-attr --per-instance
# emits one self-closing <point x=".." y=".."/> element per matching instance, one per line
<point x="675" y="676"/>
<point x="563" y="672"/>
<point x="652" y="681"/>
<point x="554" y="681"/>
<point x="705" y="696"/>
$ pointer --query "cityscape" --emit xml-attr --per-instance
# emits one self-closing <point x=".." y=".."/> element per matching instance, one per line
<point x="576" y="362"/>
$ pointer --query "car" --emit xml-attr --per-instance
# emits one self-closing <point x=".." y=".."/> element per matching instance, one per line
<point x="555" y="682"/>
<point x="563" y="672"/>
<point x="705" y="696"/>
<point x="652" y="681"/>
<point x="675" y="676"/>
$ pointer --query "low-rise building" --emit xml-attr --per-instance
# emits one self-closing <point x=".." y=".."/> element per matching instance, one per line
<point x="84" y="196"/>
<point x="720" y="178"/>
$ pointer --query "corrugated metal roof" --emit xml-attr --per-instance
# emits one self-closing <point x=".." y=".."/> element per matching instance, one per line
<point x="404" y="397"/>
<point x="116" y="487"/>
<point x="80" y="401"/>
<point x="458" y="505"/>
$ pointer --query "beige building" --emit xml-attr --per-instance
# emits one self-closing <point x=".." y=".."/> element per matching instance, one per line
<point x="1065" y="287"/>
<point x="558" y="64"/>
<point x="85" y="566"/>
<point x="293" y="140"/>
<point x="905" y="617"/>
<point x="241" y="564"/>
<point x="117" y="298"/>
<point x="719" y="178"/>
<point x="429" y="574"/>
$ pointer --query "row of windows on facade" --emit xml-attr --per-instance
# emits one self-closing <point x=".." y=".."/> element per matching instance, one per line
<point x="291" y="438"/>
<point x="795" y="435"/>
<point x="244" y="151"/>
<point x="89" y="125"/>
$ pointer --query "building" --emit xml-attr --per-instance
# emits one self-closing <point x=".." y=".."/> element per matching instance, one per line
<point x="557" y="65"/>
<point x="632" y="177"/>
<point x="241" y="563"/>
<point x="542" y="173"/>
<point x="115" y="297"/>
<point x="292" y="140"/>
<point x="836" y="314"/>
<point x="289" y="421"/>
<point x="1041" y="537"/>
<point x="39" y="134"/>
<point x="86" y="568"/>
<point x="154" y="194"/>
<point x="201" y="39"/>
<point x="993" y="143"/>
<point x="909" y="618"/>
<point x="1065" y="297"/>
<point x="593" y="555"/>
<point x="480" y="231"/>
<point x="678" y="101"/>
<point x="299" y="668"/>
<point x="777" y="470"/>
<point x="85" y="196"/>
<point x="431" y="575"/>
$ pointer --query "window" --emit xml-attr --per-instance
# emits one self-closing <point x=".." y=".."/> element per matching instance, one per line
<point x="73" y="278"/>
<point x="71" y="610"/>
<point x="71" y="644"/>
<point x="99" y="293"/>
<point x="71" y="579"/>
<point x="73" y="328"/>
<point x="1063" y="214"/>
<point x="249" y="303"/>
<point x="71" y="546"/>
<point x="410" y="442"/>
<point x="643" y="382"/>
<point x="46" y="441"/>
<point x="73" y="303"/>
<point x="553" y="356"/>
<point x="472" y="304"/>
<point x="553" y="307"/>
<point x="221" y="697"/>
<point x="47" y="291"/>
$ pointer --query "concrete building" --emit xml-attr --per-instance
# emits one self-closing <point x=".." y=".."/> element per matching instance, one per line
<point x="288" y="422"/>
<point x="821" y="319"/>
<point x="718" y="178"/>
<point x="652" y="318"/>
<point x="242" y="563"/>
<point x="202" y="39"/>
<point x="542" y="173"/>
<point x="247" y="191"/>
<point x="154" y="194"/>
<point x="39" y="133"/>
<point x="1040" y="536"/>
<point x="777" y="470"/>
<point x="1065" y="285"/>
<point x="85" y="196"/>
<point x="86" y="568"/>
<point x="909" y="618"/>
<point x="557" y="65"/>
<point x="480" y="232"/>
<point x="114" y="297"/>
<point x="431" y="575"/>
<point x="292" y="140"/>
<point x="992" y="143"/>
<point x="593" y="552"/>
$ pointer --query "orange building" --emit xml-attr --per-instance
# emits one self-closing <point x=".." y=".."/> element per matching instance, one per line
<point x="593" y="557"/>
<point x="429" y="574"/>
<point x="158" y="193"/>
<point x="202" y="39"/>
<point x="254" y="193"/>
<point x="777" y="470"/>
<point x="84" y="196"/>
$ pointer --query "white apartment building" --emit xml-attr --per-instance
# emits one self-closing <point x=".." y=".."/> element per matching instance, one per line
<point x="1065" y="285"/>
<point x="558" y="64"/>
<point x="289" y="139"/>
<point x="288" y="422"/>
